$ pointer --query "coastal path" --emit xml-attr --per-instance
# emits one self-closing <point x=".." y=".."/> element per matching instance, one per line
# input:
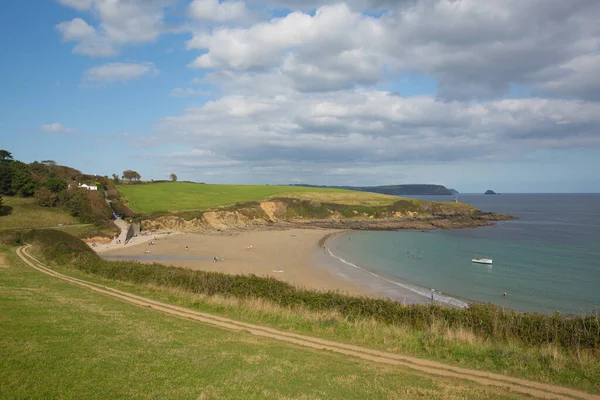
<point x="433" y="368"/>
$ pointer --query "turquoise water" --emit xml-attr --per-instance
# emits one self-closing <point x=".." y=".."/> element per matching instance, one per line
<point x="547" y="260"/>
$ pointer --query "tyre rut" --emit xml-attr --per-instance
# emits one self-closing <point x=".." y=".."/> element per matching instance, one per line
<point x="536" y="389"/>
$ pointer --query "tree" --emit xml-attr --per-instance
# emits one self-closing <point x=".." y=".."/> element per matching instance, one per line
<point x="173" y="177"/>
<point x="56" y="185"/>
<point x="21" y="181"/>
<point x="131" y="175"/>
<point x="49" y="163"/>
<point x="5" y="178"/>
<point x="116" y="178"/>
<point x="45" y="197"/>
<point x="5" y="156"/>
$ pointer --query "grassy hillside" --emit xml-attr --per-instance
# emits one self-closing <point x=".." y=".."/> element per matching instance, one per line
<point x="24" y="213"/>
<point x="181" y="196"/>
<point x="62" y="341"/>
<point x="545" y="348"/>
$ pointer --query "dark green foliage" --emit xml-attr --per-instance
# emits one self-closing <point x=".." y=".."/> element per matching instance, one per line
<point x="5" y="156"/>
<point x="15" y="178"/>
<point x="5" y="178"/>
<point x="486" y="320"/>
<point x="22" y="183"/>
<point x="88" y="206"/>
<point x="56" y="185"/>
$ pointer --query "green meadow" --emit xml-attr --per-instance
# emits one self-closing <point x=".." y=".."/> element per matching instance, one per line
<point x="184" y="196"/>
<point x="63" y="341"/>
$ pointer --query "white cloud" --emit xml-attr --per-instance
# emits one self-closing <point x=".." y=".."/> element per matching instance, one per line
<point x="80" y="5"/>
<point x="120" y="23"/>
<point x="56" y="128"/>
<point x="118" y="72"/>
<point x="334" y="28"/>
<point x="372" y="128"/>
<point x="213" y="10"/>
<point x="90" y="42"/>
<point x="499" y="43"/>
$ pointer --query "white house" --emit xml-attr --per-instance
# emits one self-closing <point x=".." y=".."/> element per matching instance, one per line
<point x="88" y="187"/>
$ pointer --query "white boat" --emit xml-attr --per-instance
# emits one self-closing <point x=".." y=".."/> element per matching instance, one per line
<point x="482" y="260"/>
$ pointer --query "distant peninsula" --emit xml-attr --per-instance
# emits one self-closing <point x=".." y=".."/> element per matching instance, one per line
<point x="397" y="190"/>
<point x="490" y="192"/>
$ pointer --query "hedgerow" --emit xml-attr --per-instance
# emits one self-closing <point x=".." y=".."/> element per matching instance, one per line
<point x="485" y="320"/>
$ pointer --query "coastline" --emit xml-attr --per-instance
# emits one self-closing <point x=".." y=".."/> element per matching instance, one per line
<point x="389" y="287"/>
<point x="295" y="256"/>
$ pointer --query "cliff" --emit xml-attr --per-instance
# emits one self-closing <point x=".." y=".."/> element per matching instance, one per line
<point x="286" y="212"/>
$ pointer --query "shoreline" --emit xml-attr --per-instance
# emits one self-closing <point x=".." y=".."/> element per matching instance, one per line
<point x="294" y="256"/>
<point x="394" y="287"/>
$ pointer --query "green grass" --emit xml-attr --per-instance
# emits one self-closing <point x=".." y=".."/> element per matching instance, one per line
<point x="181" y="196"/>
<point x="24" y="213"/>
<point x="547" y="363"/>
<point x="63" y="341"/>
<point x="424" y="331"/>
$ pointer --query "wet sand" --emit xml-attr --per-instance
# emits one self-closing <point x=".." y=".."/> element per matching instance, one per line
<point x="286" y="255"/>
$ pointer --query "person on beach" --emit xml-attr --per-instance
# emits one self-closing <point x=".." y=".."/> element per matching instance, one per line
<point x="187" y="248"/>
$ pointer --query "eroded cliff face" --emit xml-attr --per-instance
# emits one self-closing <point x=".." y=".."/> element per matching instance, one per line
<point x="280" y="214"/>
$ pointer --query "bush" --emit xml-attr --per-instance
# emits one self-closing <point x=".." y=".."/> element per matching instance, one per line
<point x="485" y="320"/>
<point x="88" y="206"/>
<point x="45" y="197"/>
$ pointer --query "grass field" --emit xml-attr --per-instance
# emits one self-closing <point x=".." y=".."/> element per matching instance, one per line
<point x="181" y="196"/>
<point x="62" y="341"/>
<point x="26" y="214"/>
<point x="547" y="364"/>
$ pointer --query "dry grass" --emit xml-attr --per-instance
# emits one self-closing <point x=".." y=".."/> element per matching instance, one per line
<point x="546" y="363"/>
<point x="26" y="214"/>
<point x="346" y="198"/>
<point x="62" y="341"/>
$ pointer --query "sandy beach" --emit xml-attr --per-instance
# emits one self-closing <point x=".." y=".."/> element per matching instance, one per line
<point x="286" y="255"/>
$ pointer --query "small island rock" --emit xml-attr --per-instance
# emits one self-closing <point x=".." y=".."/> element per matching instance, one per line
<point x="490" y="192"/>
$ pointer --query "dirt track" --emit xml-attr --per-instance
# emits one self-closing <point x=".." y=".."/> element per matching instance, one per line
<point x="516" y="385"/>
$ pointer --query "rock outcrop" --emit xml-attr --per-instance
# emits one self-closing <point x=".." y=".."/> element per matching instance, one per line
<point x="286" y="213"/>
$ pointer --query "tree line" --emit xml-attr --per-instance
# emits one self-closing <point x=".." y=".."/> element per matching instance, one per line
<point x="54" y="185"/>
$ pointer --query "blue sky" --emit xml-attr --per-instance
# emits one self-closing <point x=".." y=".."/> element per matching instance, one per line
<point x="472" y="95"/>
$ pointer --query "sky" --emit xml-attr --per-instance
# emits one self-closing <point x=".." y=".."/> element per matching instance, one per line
<point x="471" y="94"/>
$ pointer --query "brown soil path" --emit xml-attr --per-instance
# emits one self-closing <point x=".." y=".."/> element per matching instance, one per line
<point x="536" y="389"/>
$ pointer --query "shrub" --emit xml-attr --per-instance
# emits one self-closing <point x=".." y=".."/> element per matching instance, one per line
<point x="45" y="197"/>
<point x="485" y="320"/>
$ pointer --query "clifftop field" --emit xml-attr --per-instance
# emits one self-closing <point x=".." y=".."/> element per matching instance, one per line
<point x="183" y="196"/>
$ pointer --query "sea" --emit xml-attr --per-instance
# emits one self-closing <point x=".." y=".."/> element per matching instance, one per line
<point x="547" y="260"/>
